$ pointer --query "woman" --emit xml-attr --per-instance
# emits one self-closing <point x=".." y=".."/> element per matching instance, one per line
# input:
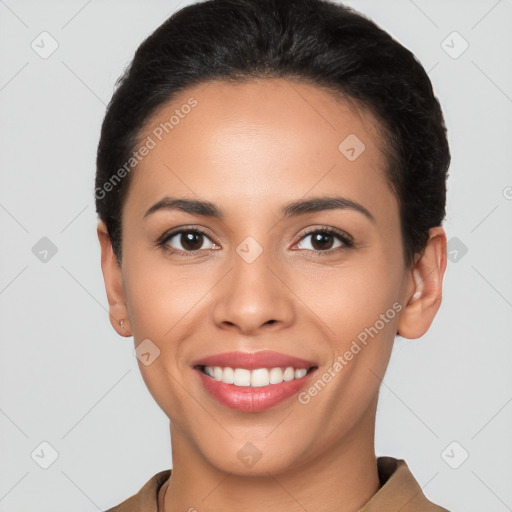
<point x="270" y="188"/>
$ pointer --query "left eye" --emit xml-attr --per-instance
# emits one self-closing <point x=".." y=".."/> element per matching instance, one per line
<point x="325" y="240"/>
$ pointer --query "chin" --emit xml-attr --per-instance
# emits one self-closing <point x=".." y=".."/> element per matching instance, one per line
<point x="248" y="458"/>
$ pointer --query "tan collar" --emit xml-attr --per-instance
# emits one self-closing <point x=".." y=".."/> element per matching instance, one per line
<point x="399" y="491"/>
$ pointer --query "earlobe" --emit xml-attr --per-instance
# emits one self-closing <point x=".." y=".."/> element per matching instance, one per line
<point x="113" y="278"/>
<point x="423" y="293"/>
<point x="124" y="325"/>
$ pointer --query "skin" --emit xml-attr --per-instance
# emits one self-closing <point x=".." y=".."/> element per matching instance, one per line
<point x="251" y="148"/>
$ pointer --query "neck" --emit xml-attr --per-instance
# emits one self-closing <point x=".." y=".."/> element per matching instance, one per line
<point x="343" y="477"/>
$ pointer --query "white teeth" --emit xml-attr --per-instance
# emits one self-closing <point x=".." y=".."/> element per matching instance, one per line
<point x="259" y="378"/>
<point x="208" y="370"/>
<point x="228" y="375"/>
<point x="300" y="373"/>
<point x="289" y="374"/>
<point x="242" y="377"/>
<point x="276" y="376"/>
<point x="256" y="378"/>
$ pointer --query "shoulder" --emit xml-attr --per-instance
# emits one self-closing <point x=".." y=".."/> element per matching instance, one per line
<point x="398" y="490"/>
<point x="146" y="499"/>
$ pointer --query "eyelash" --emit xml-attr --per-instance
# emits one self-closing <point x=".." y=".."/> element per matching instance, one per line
<point x="343" y="237"/>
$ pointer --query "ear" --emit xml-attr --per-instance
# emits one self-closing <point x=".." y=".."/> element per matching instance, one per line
<point x="424" y="287"/>
<point x="113" y="278"/>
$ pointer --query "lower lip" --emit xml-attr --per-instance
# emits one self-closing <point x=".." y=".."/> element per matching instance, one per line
<point x="252" y="399"/>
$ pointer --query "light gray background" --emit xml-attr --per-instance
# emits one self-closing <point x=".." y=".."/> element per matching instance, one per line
<point x="68" y="379"/>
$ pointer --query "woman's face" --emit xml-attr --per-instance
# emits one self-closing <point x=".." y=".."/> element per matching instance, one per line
<point x="263" y="276"/>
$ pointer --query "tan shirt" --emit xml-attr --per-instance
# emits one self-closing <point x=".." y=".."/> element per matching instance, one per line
<point x="398" y="491"/>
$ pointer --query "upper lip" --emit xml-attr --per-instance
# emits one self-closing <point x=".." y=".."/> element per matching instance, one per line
<point x="253" y="360"/>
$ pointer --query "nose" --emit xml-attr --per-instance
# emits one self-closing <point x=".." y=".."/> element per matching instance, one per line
<point x="253" y="297"/>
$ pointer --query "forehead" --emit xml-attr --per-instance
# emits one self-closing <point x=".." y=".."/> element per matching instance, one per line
<point x="262" y="139"/>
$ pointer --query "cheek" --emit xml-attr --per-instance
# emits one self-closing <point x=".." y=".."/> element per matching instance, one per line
<point x="162" y="305"/>
<point x="160" y="296"/>
<point x="165" y="303"/>
<point x="360" y="307"/>
<point x="353" y="297"/>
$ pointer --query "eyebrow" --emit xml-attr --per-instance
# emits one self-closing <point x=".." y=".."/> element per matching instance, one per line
<point x="292" y="209"/>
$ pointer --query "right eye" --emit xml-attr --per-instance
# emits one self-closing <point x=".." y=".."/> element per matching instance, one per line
<point x="186" y="241"/>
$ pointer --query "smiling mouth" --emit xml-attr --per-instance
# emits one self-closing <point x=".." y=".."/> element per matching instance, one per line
<point x="258" y="377"/>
